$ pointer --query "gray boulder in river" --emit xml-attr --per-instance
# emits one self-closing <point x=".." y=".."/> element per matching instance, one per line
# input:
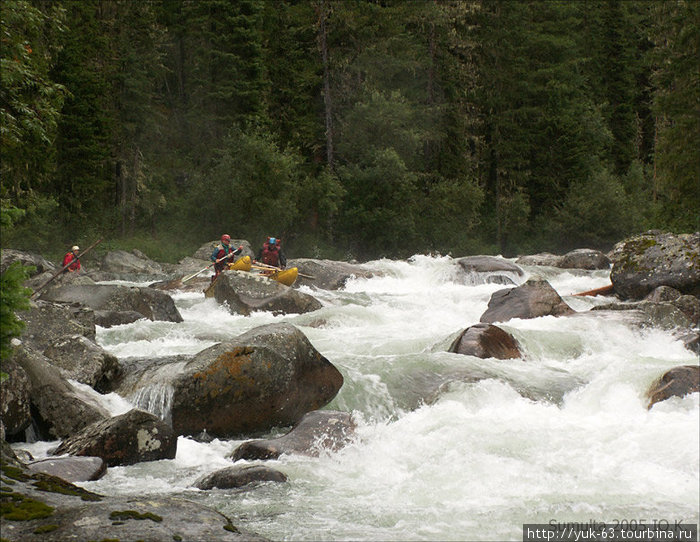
<point x="486" y="341"/>
<point x="533" y="299"/>
<point x="244" y="292"/>
<point x="327" y="274"/>
<point x="652" y="259"/>
<point x="126" y="439"/>
<point x="317" y="431"/>
<point x="152" y="303"/>
<point x="270" y="376"/>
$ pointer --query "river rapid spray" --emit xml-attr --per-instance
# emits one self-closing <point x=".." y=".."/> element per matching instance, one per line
<point x="440" y="455"/>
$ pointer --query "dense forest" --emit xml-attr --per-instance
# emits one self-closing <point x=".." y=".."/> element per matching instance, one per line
<point x="349" y="128"/>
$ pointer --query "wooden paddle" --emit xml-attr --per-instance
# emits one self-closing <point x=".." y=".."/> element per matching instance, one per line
<point x="193" y="275"/>
<point x="88" y="249"/>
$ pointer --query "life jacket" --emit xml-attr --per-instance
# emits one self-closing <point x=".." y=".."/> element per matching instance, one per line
<point x="270" y="254"/>
<point x="74" y="266"/>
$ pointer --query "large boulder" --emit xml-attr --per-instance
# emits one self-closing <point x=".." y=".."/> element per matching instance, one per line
<point x="80" y="359"/>
<point x="44" y="508"/>
<point x="59" y="409"/>
<point x="542" y="258"/>
<point x="15" y="399"/>
<point x="322" y="430"/>
<point x="239" y="476"/>
<point x="490" y="270"/>
<point x="533" y="299"/>
<point x="133" y="437"/>
<point x="677" y="382"/>
<point x="46" y="322"/>
<point x="652" y="259"/>
<point x="486" y="341"/>
<point x="270" y="376"/>
<point x="327" y="274"/>
<point x="244" y="293"/>
<point x="152" y="303"/>
<point x="584" y="258"/>
<point x="130" y="265"/>
<point x="71" y="469"/>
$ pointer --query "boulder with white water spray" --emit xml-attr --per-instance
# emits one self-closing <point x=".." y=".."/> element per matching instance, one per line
<point x="71" y="469"/>
<point x="244" y="292"/>
<point x="269" y="376"/>
<point x="677" y="382"/>
<point x="530" y="300"/>
<point x="15" y="398"/>
<point x="584" y="258"/>
<point x="644" y="262"/>
<point x="328" y="274"/>
<point x="486" y="341"/>
<point x="59" y="409"/>
<point x="490" y="270"/>
<point x="322" y="430"/>
<point x="239" y="476"/>
<point x="129" y="438"/>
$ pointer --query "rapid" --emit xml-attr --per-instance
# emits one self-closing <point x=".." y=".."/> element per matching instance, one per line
<point x="448" y="447"/>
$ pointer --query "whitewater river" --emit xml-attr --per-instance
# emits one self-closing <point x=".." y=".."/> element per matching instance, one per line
<point x="562" y="435"/>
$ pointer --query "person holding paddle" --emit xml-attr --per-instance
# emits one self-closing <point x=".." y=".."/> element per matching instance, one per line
<point x="71" y="261"/>
<point x="271" y="253"/>
<point x="222" y="253"/>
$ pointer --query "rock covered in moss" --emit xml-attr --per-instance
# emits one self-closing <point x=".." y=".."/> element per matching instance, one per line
<point x="270" y="376"/>
<point x="130" y="438"/>
<point x="652" y="259"/>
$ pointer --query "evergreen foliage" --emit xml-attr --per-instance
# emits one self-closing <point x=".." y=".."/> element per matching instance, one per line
<point x="364" y="128"/>
<point x="13" y="297"/>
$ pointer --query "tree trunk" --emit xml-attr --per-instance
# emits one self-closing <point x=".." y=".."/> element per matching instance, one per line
<point x="323" y="45"/>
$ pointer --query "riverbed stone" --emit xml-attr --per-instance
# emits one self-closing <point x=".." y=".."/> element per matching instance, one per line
<point x="71" y="469"/>
<point x="584" y="258"/>
<point x="644" y="262"/>
<point x="133" y="437"/>
<point x="15" y="398"/>
<point x="486" y="341"/>
<point x="328" y="274"/>
<point x="530" y="300"/>
<point x="677" y="382"/>
<point x="239" y="476"/>
<point x="490" y="270"/>
<point x="244" y="292"/>
<point x="322" y="430"/>
<point x="270" y="376"/>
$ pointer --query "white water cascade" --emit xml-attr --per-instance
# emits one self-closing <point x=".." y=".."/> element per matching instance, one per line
<point x="448" y="447"/>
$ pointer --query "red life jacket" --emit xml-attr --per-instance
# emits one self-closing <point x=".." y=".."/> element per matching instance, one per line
<point x="68" y="258"/>
<point x="270" y="254"/>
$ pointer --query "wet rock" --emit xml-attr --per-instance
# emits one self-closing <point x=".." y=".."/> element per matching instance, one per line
<point x="151" y="303"/>
<point x="663" y="293"/>
<point x="239" y="476"/>
<point x="533" y="299"/>
<point x="14" y="398"/>
<point x="486" y="341"/>
<point x="109" y="319"/>
<point x="54" y="510"/>
<point x="46" y="322"/>
<point x="58" y="409"/>
<point x="82" y="360"/>
<point x="71" y="469"/>
<point x="244" y="293"/>
<point x="124" y="440"/>
<point x="322" y="430"/>
<point x="584" y="258"/>
<point x="270" y="376"/>
<point x="661" y="315"/>
<point x="652" y="259"/>
<point x="677" y="382"/>
<point x="490" y="270"/>
<point x="543" y="258"/>
<point x="327" y="274"/>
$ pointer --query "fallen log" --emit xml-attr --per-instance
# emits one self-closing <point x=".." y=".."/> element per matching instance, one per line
<point x="598" y="291"/>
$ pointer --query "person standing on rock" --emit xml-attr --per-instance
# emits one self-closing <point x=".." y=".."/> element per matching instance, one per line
<point x="222" y="254"/>
<point x="71" y="261"/>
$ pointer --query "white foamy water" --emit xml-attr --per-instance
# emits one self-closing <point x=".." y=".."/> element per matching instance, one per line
<point x="563" y="434"/>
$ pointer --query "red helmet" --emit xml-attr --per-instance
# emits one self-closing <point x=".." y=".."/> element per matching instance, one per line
<point x="225" y="238"/>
